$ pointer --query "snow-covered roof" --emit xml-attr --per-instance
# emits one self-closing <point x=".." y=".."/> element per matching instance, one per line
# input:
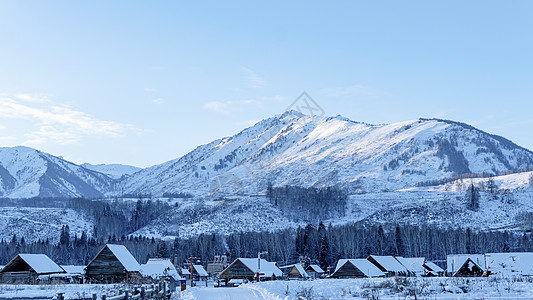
<point x="300" y="270"/>
<point x="40" y="263"/>
<point x="315" y="268"/>
<point x="433" y="267"/>
<point x="268" y="268"/>
<point x="169" y="268"/>
<point x="510" y="263"/>
<point x="365" y="266"/>
<point x="404" y="263"/>
<point x="455" y="261"/>
<point x="185" y="271"/>
<point x="124" y="256"/>
<point x="416" y="264"/>
<point x="389" y="263"/>
<point x="74" y="270"/>
<point x="200" y="270"/>
<point x="159" y="270"/>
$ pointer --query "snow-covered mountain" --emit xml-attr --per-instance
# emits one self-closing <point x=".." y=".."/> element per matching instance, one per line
<point x="115" y="171"/>
<point x="26" y="173"/>
<point x="288" y="149"/>
<point x="312" y="151"/>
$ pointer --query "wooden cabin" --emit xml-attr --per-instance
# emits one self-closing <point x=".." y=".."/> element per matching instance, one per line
<point x="297" y="271"/>
<point x="246" y="268"/>
<point x="29" y="269"/>
<point x="465" y="265"/>
<point x="389" y="265"/>
<point x="433" y="270"/>
<point x="199" y="273"/>
<point x="113" y="264"/>
<point x="356" y="268"/>
<point x="314" y="271"/>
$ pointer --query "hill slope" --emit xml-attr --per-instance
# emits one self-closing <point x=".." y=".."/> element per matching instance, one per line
<point x="293" y="149"/>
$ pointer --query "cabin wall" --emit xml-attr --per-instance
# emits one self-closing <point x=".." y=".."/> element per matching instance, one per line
<point x="238" y="271"/>
<point x="106" y="268"/>
<point x="348" y="270"/>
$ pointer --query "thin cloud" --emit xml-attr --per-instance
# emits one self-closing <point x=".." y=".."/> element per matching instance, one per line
<point x="228" y="107"/>
<point x="158" y="101"/>
<point x="253" y="79"/>
<point x="58" y="123"/>
<point x="33" y="98"/>
<point x="220" y="107"/>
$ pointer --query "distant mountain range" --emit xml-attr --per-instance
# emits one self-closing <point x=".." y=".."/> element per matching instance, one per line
<point x="288" y="149"/>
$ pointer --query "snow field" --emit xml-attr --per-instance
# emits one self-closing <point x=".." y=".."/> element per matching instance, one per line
<point x="377" y="288"/>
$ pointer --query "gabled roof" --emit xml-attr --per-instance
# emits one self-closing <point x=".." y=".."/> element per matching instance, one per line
<point x="185" y="271"/>
<point x="200" y="270"/>
<point x="405" y="263"/>
<point x="510" y="263"/>
<point x="123" y="255"/>
<point x="455" y="261"/>
<point x="300" y="270"/>
<point x="365" y="266"/>
<point x="416" y="264"/>
<point x="389" y="263"/>
<point x="268" y="268"/>
<point x="40" y="263"/>
<point x="433" y="267"/>
<point x="315" y="268"/>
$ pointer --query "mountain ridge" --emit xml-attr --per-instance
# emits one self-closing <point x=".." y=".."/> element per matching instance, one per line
<point x="286" y="149"/>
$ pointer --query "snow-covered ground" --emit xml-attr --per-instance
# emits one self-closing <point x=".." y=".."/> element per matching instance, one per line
<point x="381" y="288"/>
<point x="70" y="291"/>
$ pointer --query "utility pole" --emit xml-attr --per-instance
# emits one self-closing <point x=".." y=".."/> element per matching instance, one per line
<point x="259" y="263"/>
<point x="191" y="258"/>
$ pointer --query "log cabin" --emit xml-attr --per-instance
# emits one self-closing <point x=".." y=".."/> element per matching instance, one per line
<point x="113" y="264"/>
<point x="28" y="268"/>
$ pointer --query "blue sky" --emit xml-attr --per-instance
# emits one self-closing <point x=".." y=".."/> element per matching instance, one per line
<point x="143" y="82"/>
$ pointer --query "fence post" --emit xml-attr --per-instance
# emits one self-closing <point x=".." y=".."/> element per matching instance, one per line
<point x="60" y="296"/>
<point x="104" y="297"/>
<point x="143" y="292"/>
<point x="126" y="295"/>
<point x="94" y="297"/>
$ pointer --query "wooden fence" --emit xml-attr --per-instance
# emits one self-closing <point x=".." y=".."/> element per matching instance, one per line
<point x="156" y="291"/>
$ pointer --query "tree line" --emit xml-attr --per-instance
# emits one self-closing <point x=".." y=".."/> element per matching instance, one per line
<point x="319" y="244"/>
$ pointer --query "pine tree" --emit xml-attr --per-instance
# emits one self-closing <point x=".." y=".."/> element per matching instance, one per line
<point x="324" y="253"/>
<point x="468" y="241"/>
<point x="472" y="198"/>
<point x="380" y="240"/>
<point x="398" y="241"/>
<point x="491" y="186"/>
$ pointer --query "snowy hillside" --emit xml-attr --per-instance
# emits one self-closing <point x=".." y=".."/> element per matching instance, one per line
<point x="310" y="151"/>
<point x="115" y="171"/>
<point x="41" y="223"/>
<point x="194" y="217"/>
<point x="508" y="206"/>
<point x="26" y="172"/>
